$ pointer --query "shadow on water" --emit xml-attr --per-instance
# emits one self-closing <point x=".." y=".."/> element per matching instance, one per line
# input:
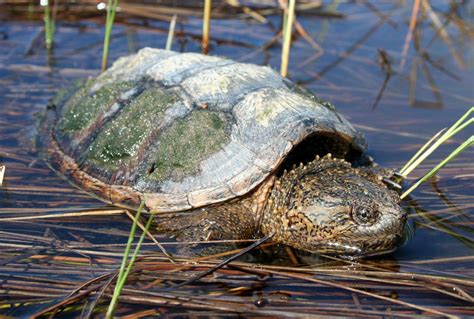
<point x="60" y="248"/>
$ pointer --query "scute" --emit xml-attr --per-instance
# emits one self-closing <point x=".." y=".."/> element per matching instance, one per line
<point x="172" y="70"/>
<point x="184" y="145"/>
<point x="221" y="87"/>
<point x="120" y="140"/>
<point x="83" y="108"/>
<point x="183" y="130"/>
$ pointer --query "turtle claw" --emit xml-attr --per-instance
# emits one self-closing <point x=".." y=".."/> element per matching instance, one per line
<point x="392" y="184"/>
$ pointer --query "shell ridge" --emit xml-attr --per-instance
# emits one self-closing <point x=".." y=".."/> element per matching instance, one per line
<point x="179" y="67"/>
<point x="225" y="88"/>
<point x="212" y="67"/>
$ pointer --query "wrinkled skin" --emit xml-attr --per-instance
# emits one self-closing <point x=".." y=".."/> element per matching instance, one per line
<point x="330" y="207"/>
<point x="326" y="206"/>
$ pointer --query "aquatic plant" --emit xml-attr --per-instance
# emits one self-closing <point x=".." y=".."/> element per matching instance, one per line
<point x="111" y="9"/>
<point x="289" y="13"/>
<point x="206" y="26"/>
<point x="432" y="144"/>
<point x="169" y="40"/>
<point x="49" y="23"/>
<point x="2" y="174"/>
<point x="127" y="264"/>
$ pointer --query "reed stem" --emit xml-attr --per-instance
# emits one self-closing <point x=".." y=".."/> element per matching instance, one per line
<point x="468" y="143"/>
<point x="111" y="9"/>
<point x="287" y="30"/>
<point x="2" y="174"/>
<point x="122" y="271"/>
<point x="169" y="40"/>
<point x="206" y="26"/>
<point x="421" y="155"/>
<point x="49" y="24"/>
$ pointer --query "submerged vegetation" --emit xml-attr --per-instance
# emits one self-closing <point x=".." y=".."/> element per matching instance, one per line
<point x="62" y="251"/>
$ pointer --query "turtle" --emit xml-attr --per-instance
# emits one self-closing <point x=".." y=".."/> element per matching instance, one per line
<point x="222" y="150"/>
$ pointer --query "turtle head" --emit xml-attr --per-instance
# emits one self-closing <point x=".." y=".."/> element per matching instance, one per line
<point x="327" y="206"/>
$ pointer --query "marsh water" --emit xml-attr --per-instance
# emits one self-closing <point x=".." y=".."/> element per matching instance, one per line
<point x="350" y="53"/>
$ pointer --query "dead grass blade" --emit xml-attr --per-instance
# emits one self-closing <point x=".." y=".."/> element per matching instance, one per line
<point x="142" y="227"/>
<point x="206" y="26"/>
<point x="411" y="28"/>
<point x="289" y="14"/>
<point x="225" y="262"/>
<point x="362" y="292"/>
<point x="2" y="174"/>
<point x="62" y="215"/>
<point x="441" y="31"/>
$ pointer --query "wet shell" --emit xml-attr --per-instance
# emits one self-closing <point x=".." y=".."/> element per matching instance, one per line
<point x="182" y="130"/>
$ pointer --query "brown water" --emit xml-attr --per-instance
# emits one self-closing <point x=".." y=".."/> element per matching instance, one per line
<point x="431" y="91"/>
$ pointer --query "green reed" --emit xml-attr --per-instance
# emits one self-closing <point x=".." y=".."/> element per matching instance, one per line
<point x="467" y="143"/>
<point x="432" y="145"/>
<point x="111" y="9"/>
<point x="49" y="24"/>
<point x="127" y="264"/>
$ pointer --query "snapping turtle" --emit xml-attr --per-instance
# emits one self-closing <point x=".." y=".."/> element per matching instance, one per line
<point x="213" y="144"/>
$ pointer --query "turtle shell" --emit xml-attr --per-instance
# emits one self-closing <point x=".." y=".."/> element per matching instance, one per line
<point x="182" y="130"/>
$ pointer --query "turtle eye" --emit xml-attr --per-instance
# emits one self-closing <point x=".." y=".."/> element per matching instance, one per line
<point x="364" y="215"/>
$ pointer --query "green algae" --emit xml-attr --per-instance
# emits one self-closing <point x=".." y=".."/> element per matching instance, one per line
<point x="83" y="108"/>
<point x="121" y="138"/>
<point x="188" y="142"/>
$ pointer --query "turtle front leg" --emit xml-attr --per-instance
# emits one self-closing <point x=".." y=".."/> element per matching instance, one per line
<point x="230" y="221"/>
<point x="235" y="220"/>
